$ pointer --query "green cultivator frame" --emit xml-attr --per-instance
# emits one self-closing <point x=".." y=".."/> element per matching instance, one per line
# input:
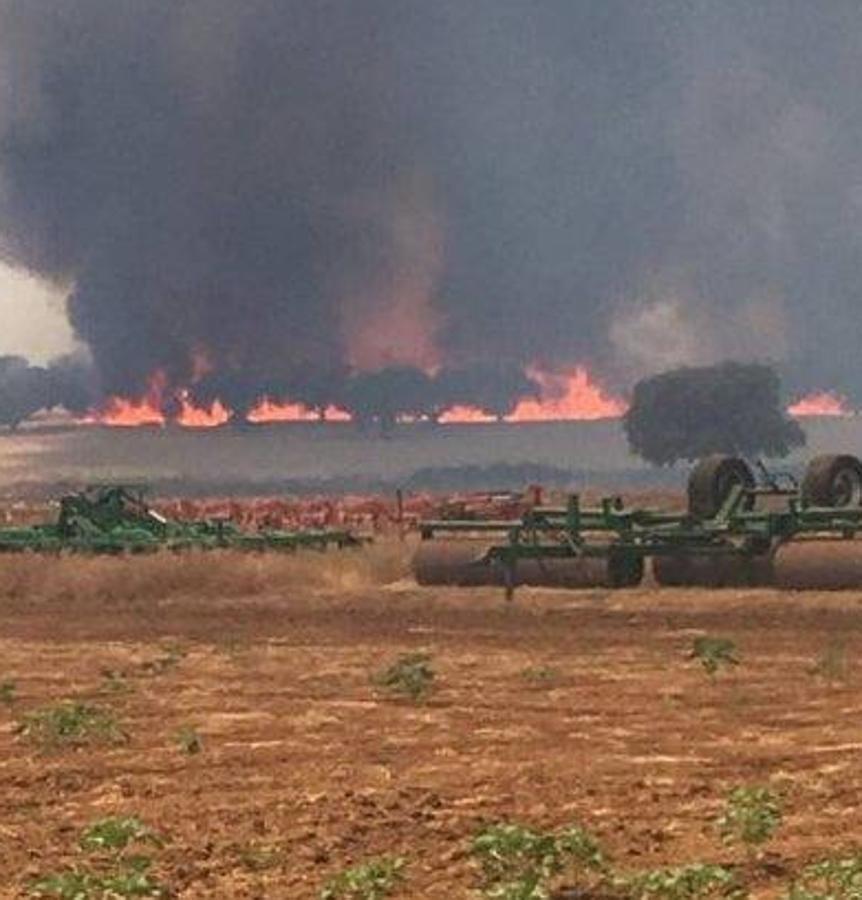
<point x="737" y="530"/>
<point x="115" y="519"/>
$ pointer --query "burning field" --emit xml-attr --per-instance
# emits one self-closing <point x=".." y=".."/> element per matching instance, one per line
<point x="331" y="278"/>
<point x="236" y="710"/>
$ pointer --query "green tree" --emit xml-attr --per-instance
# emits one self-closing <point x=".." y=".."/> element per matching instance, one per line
<point x="689" y="413"/>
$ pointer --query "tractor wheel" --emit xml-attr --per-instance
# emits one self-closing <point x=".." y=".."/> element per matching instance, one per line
<point x="711" y="482"/>
<point x="833" y="481"/>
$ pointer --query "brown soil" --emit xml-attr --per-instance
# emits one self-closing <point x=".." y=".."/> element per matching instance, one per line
<point x="306" y="768"/>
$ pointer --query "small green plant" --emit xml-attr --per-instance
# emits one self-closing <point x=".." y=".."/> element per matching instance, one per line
<point x="189" y="741"/>
<point x="831" y="663"/>
<point x="411" y="675"/>
<point x="580" y="849"/>
<point x="713" y="653"/>
<point x="751" y="816"/>
<point x="681" y="883"/>
<point x="110" y="872"/>
<point x="129" y="879"/>
<point x="70" y="724"/>
<point x="114" y="682"/>
<point x="541" y="676"/>
<point x="830" y="879"/>
<point x="116" y="833"/>
<point x="8" y="690"/>
<point x="72" y="885"/>
<point x="133" y="879"/>
<point x="519" y="863"/>
<point x="373" y="880"/>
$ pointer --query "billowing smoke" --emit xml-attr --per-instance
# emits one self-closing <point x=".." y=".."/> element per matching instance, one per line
<point x="384" y="396"/>
<point x="379" y="397"/>
<point x="276" y="196"/>
<point x="67" y="382"/>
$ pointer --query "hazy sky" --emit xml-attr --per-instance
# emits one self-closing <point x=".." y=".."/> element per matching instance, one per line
<point x="33" y="321"/>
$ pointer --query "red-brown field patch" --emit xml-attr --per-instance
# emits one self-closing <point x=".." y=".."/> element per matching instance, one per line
<point x="306" y="767"/>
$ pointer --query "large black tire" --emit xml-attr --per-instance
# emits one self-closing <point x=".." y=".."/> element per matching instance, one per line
<point x="833" y="481"/>
<point x="712" y="480"/>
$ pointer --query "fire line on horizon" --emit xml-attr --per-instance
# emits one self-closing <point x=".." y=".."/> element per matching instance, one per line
<point x="569" y="396"/>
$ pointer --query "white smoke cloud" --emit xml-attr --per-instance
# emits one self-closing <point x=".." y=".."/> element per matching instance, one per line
<point x="33" y="320"/>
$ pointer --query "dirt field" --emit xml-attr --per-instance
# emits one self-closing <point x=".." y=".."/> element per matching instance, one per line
<point x="566" y="706"/>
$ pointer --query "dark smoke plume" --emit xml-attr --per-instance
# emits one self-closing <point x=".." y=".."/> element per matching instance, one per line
<point x="692" y="412"/>
<point x="67" y="382"/>
<point x="392" y="393"/>
<point x="23" y="390"/>
<point x="493" y="389"/>
<point x="294" y="190"/>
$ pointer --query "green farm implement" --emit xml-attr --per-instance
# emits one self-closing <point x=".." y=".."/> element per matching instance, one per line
<point x="115" y="520"/>
<point x="738" y="530"/>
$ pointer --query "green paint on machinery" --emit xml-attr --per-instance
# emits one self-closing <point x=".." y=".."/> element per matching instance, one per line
<point x="114" y="519"/>
<point x="738" y="530"/>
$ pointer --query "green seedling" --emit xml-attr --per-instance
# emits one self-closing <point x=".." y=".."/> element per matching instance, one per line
<point x="72" y="885"/>
<point x="70" y="724"/>
<point x="131" y="879"/>
<point x="373" y="880"/>
<point x="110" y="872"/>
<point x="189" y="741"/>
<point x="519" y="863"/>
<point x="411" y="675"/>
<point x="114" y="682"/>
<point x="751" y="817"/>
<point x="116" y="833"/>
<point x="681" y="883"/>
<point x="713" y="653"/>
<point x="541" y="676"/>
<point x="8" y="690"/>
<point x="838" y="878"/>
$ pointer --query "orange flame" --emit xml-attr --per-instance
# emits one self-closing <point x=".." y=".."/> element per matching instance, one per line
<point x="821" y="403"/>
<point x="268" y="410"/>
<point x="192" y="416"/>
<point x="463" y="415"/>
<point x="123" y="412"/>
<point x="570" y="395"/>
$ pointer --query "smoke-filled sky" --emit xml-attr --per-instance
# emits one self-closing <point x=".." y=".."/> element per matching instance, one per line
<point x="33" y="318"/>
<point x="270" y="188"/>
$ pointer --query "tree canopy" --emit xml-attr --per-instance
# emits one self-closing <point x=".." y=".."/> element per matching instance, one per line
<point x="688" y="413"/>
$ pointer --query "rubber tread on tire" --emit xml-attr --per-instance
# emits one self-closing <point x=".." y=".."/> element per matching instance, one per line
<point x="711" y="480"/>
<point x="822" y="484"/>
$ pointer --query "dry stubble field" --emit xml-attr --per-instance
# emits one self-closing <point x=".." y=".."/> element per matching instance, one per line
<point x="566" y="706"/>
